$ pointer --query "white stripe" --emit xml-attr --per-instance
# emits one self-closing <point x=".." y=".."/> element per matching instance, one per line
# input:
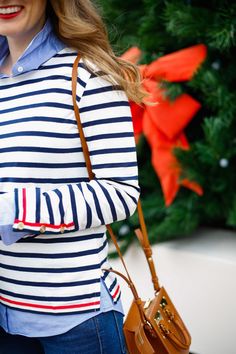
<point x="55" y="263"/>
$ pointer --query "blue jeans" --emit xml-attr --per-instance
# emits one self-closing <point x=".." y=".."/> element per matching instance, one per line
<point x="101" y="334"/>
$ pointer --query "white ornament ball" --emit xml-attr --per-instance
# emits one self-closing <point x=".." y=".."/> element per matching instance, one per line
<point x="224" y="163"/>
<point x="216" y="65"/>
<point x="124" y="230"/>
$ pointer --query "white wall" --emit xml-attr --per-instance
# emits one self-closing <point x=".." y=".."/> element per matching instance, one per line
<point x="199" y="274"/>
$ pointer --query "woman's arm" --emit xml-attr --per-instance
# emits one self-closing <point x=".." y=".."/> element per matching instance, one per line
<point x="112" y="195"/>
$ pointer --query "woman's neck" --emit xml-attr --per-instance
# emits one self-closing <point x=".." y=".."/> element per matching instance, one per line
<point x="17" y="45"/>
<point x="16" y="49"/>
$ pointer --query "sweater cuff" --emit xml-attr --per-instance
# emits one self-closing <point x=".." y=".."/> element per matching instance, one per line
<point x="34" y="213"/>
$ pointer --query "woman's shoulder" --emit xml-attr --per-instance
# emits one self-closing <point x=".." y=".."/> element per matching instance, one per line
<point x="66" y="58"/>
<point x="90" y="75"/>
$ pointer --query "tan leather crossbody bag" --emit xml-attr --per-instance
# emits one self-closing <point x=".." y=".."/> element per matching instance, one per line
<point x="153" y="326"/>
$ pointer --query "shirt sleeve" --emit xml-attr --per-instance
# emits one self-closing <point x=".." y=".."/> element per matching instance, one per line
<point x="114" y="192"/>
<point x="9" y="236"/>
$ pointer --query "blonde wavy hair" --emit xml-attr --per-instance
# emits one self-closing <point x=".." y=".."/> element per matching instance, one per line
<point x="79" y="25"/>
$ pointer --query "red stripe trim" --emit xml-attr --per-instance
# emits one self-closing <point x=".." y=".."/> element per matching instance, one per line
<point x="116" y="292"/>
<point x="24" y="204"/>
<point x="41" y="224"/>
<point x="49" y="307"/>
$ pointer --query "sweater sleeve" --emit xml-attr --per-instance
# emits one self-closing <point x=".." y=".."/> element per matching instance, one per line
<point x="114" y="192"/>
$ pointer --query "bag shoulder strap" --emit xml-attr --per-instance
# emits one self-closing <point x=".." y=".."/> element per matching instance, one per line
<point x="142" y="232"/>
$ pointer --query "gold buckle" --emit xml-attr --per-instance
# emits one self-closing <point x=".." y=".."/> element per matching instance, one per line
<point x="158" y="317"/>
<point x="169" y="314"/>
<point x="164" y="302"/>
<point x="164" y="329"/>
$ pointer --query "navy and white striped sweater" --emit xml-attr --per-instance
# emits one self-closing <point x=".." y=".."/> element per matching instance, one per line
<point x="58" y="270"/>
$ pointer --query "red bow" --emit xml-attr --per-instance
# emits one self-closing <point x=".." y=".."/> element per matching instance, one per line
<point x="163" y="123"/>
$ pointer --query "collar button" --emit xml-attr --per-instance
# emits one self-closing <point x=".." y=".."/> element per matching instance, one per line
<point x="20" y="69"/>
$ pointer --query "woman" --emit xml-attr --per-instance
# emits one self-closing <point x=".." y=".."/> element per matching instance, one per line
<point x="54" y="296"/>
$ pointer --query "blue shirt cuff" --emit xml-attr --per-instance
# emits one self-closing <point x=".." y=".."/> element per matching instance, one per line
<point x="9" y="236"/>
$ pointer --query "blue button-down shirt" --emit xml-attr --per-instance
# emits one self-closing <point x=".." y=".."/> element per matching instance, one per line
<point x="43" y="46"/>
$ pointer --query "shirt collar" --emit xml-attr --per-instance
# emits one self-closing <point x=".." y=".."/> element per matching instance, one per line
<point x="42" y="47"/>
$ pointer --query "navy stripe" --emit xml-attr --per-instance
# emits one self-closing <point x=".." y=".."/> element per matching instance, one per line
<point x="73" y="206"/>
<point x="121" y="198"/>
<point x="107" y="121"/>
<point x="66" y="150"/>
<point x="86" y="68"/>
<point x="44" y="298"/>
<point x="54" y="255"/>
<point x="110" y="202"/>
<point x="39" y="119"/>
<point x="36" y="93"/>
<point x="89" y="216"/>
<point x="63" y="55"/>
<point x="97" y="205"/>
<point x="44" y="180"/>
<point x="80" y="65"/>
<point x="122" y="179"/>
<point x="103" y="89"/>
<point x="114" y="165"/>
<point x="99" y="73"/>
<point x="68" y="65"/>
<point x="133" y="199"/>
<point x="43" y="165"/>
<point x="112" y="151"/>
<point x="51" y="284"/>
<point x="117" y="299"/>
<point x="61" y="180"/>
<point x="61" y="208"/>
<point x="41" y="149"/>
<point x="53" y="270"/>
<point x="113" y="285"/>
<point x="110" y="136"/>
<point x="38" y="204"/>
<point x="37" y="105"/>
<point x="55" y="66"/>
<point x="125" y="184"/>
<point x="16" y="191"/>
<point x="62" y="65"/>
<point x="34" y="81"/>
<point x="37" y="133"/>
<point x="34" y="239"/>
<point x="50" y="211"/>
<point x="104" y="105"/>
<point x="130" y="178"/>
<point x="81" y="82"/>
<point x="105" y="274"/>
<point x="88" y="209"/>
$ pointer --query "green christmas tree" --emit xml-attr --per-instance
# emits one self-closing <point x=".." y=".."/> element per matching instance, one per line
<point x="160" y="27"/>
